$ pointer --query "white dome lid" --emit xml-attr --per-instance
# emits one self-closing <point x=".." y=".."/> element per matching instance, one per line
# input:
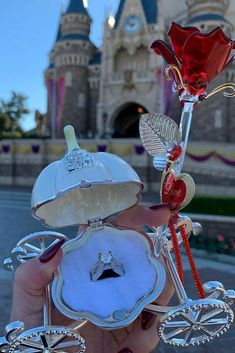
<point x="83" y="186"/>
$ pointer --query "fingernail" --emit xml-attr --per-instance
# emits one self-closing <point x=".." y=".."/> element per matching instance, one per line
<point x="51" y="251"/>
<point x="147" y="320"/>
<point x="158" y="206"/>
<point x="125" y="350"/>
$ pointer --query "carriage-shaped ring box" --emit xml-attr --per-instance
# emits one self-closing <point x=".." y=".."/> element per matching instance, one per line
<point x="107" y="275"/>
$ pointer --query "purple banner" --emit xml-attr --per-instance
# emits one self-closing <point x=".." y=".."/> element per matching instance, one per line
<point x="167" y="95"/>
<point x="101" y="148"/>
<point x="50" y="89"/>
<point x="139" y="149"/>
<point x="60" y="102"/>
<point x="225" y="160"/>
<point x="200" y="158"/>
<point x="203" y="158"/>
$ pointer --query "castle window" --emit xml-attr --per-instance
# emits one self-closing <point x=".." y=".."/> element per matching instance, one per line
<point x="68" y="79"/>
<point x="82" y="18"/>
<point x="218" y="119"/>
<point x="67" y="45"/>
<point x="124" y="61"/>
<point x="81" y="100"/>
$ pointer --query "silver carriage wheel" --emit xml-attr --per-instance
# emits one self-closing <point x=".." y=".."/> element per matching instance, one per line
<point x="31" y="246"/>
<point x="47" y="340"/>
<point x="196" y="322"/>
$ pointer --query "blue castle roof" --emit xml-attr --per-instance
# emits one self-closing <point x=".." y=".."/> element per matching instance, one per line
<point x="59" y="35"/>
<point x="75" y="36"/>
<point x="207" y="17"/>
<point x="150" y="10"/>
<point x="76" y="6"/>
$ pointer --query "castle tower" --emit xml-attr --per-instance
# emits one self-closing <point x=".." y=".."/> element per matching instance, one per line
<point x="67" y="75"/>
<point x="214" y="119"/>
<point x="207" y="15"/>
<point x="130" y="84"/>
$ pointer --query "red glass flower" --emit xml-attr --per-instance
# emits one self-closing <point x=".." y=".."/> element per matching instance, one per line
<point x="200" y="57"/>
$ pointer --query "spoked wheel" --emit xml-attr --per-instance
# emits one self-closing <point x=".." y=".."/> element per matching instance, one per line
<point x="196" y="322"/>
<point x="47" y="340"/>
<point x="31" y="246"/>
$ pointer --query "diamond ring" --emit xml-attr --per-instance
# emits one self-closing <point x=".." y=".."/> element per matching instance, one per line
<point x="106" y="263"/>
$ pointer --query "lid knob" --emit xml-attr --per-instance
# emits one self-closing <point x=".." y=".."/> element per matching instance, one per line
<point x="70" y="138"/>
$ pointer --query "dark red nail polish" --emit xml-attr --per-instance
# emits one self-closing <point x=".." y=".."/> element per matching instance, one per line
<point x="125" y="350"/>
<point x="51" y="251"/>
<point x="147" y="320"/>
<point x="158" y="206"/>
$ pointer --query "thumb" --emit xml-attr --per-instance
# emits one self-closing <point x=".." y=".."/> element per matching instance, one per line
<point x="141" y="215"/>
<point x="33" y="275"/>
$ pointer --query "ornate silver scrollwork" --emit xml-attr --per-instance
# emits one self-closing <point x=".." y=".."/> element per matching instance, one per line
<point x="31" y="246"/>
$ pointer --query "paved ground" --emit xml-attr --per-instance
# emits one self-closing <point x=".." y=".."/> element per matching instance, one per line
<point x="16" y="221"/>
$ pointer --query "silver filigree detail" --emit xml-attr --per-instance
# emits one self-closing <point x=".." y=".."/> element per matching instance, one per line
<point x="78" y="159"/>
<point x="41" y="339"/>
<point x="196" y="323"/>
<point x="106" y="262"/>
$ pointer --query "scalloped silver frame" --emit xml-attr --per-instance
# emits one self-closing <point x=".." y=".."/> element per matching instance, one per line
<point x="110" y="322"/>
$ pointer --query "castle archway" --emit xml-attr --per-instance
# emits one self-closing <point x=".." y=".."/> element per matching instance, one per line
<point x="126" y="123"/>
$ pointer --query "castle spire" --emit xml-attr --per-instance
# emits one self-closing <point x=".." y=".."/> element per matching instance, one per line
<point x="150" y="10"/>
<point x="76" y="6"/>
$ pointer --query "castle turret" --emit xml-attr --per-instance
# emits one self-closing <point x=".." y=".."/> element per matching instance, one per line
<point x="67" y="75"/>
<point x="207" y="15"/>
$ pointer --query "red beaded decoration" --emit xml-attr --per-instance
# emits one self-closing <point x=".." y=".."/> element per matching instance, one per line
<point x="176" y="248"/>
<point x="175" y="154"/>
<point x="195" y="274"/>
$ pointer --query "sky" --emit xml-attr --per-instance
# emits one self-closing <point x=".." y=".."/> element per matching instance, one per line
<point x="27" y="30"/>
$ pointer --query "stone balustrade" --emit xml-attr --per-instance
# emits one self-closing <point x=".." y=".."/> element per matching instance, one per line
<point x="22" y="160"/>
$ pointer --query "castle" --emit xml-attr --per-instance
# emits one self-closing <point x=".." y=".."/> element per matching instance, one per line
<point x="102" y="92"/>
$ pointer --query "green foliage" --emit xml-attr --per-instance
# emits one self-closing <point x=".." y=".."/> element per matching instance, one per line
<point x="224" y="206"/>
<point x="11" y="113"/>
<point x="219" y="244"/>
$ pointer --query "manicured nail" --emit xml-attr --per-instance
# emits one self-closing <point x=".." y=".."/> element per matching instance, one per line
<point x="147" y="320"/>
<point x="51" y="251"/>
<point x="158" y="206"/>
<point x="125" y="350"/>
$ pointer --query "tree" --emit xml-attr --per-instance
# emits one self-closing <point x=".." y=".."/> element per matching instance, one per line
<point x="11" y="112"/>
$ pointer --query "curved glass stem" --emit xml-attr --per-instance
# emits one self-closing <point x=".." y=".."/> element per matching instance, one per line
<point x="184" y="128"/>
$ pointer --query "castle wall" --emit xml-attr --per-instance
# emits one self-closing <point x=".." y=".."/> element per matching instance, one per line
<point x="24" y="159"/>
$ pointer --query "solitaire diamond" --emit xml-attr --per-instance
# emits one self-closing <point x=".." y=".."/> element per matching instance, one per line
<point x="106" y="258"/>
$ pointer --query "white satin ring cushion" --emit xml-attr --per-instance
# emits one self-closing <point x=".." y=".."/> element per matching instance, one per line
<point x="107" y="276"/>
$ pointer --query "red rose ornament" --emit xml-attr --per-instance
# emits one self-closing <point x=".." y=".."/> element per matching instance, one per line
<point x="200" y="57"/>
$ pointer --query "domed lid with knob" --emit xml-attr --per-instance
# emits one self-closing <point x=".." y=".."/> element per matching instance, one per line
<point x="83" y="186"/>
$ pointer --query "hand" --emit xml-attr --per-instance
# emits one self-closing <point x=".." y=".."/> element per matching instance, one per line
<point x="32" y="277"/>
